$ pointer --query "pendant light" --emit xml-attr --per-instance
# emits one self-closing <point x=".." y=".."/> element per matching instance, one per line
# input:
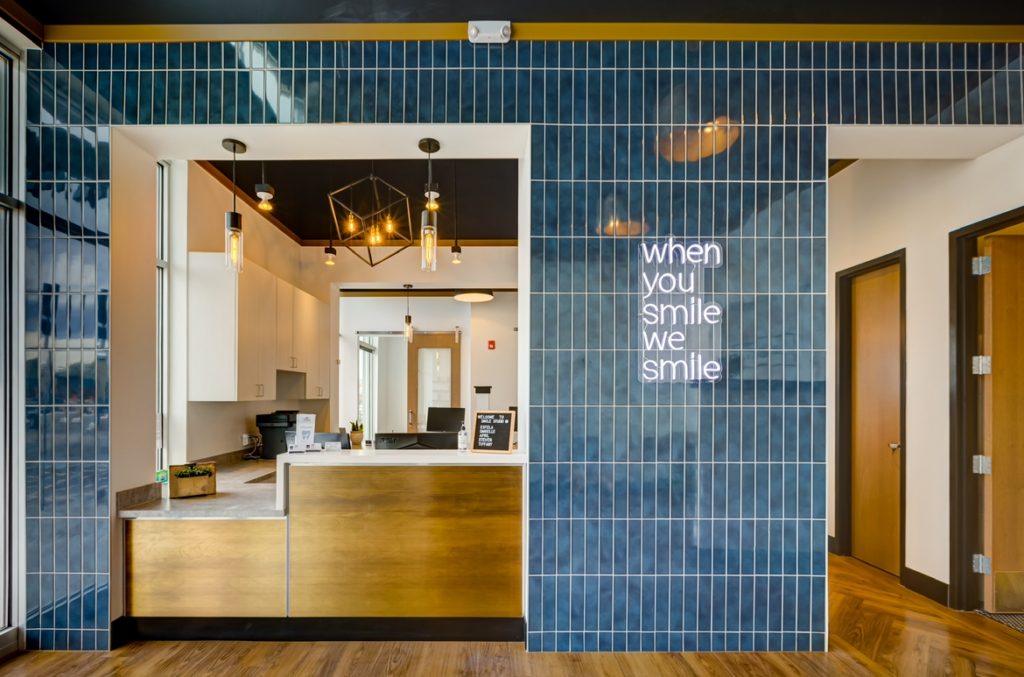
<point x="456" y="249"/>
<point x="428" y="221"/>
<point x="265" y="192"/>
<point x="408" y="316"/>
<point x="330" y="253"/>
<point x="233" y="254"/>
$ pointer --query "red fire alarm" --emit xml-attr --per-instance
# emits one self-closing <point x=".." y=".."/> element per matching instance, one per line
<point x="490" y="345"/>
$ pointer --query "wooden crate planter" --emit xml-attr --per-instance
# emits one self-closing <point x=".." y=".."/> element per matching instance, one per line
<point x="183" y="487"/>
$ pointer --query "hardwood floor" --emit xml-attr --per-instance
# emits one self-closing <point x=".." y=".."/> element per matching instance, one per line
<point x="877" y="628"/>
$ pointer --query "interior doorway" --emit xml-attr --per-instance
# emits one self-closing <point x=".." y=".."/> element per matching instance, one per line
<point x="987" y="430"/>
<point x="870" y="395"/>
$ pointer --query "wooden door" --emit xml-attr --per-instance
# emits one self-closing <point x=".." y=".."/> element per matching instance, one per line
<point x="1002" y="423"/>
<point x="433" y="347"/>
<point x="285" y="326"/>
<point x="876" y="378"/>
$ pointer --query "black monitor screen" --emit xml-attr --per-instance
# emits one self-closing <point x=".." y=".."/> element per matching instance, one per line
<point x="445" y="419"/>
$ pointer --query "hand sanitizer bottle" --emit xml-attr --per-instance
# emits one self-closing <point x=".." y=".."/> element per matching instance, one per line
<point x="463" y="440"/>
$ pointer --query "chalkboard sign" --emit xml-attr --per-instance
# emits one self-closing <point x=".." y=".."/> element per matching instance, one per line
<point x="492" y="432"/>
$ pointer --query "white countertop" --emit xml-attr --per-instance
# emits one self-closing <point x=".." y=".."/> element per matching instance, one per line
<point x="386" y="457"/>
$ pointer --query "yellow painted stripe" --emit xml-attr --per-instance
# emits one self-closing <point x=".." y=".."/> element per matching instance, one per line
<point x="537" y="31"/>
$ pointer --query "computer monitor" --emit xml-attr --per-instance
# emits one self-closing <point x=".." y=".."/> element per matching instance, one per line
<point x="445" y="419"/>
<point x="516" y="410"/>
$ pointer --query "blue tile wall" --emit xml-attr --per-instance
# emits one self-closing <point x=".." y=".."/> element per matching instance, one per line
<point x="663" y="517"/>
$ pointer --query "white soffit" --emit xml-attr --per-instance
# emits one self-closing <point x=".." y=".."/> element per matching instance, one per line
<point x="853" y="142"/>
<point x="331" y="142"/>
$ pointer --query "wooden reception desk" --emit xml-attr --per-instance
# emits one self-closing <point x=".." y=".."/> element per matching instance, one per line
<point x="399" y="535"/>
<point x="405" y="541"/>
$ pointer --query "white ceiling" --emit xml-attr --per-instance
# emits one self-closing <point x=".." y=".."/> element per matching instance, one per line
<point x="864" y="142"/>
<point x="331" y="142"/>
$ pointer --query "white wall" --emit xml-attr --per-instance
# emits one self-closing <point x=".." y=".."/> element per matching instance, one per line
<point x="496" y="321"/>
<point x="392" y="384"/>
<point x="880" y="206"/>
<point x="132" y="335"/>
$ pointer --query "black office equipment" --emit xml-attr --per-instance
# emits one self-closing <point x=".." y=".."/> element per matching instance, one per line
<point x="416" y="441"/>
<point x="272" y="428"/>
<point x="445" y="419"/>
<point x="324" y="438"/>
<point x="515" y="410"/>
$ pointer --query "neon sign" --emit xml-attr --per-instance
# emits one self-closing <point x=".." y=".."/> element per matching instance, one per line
<point x="680" y="331"/>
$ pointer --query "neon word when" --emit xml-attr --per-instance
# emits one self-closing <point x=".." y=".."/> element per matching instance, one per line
<point x="673" y="311"/>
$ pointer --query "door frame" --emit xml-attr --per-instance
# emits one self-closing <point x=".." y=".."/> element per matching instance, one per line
<point x="844" y="401"/>
<point x="964" y="496"/>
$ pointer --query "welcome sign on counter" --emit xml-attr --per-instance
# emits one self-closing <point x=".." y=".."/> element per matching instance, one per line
<point x="680" y="331"/>
<point x="492" y="431"/>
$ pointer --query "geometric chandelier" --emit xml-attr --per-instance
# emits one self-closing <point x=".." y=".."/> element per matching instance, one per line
<point x="368" y="214"/>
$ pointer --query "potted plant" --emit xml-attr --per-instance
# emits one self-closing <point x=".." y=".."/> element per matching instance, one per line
<point x="192" y="479"/>
<point x="356" y="434"/>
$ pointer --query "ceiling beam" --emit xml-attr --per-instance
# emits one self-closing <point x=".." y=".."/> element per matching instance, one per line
<point x="536" y="31"/>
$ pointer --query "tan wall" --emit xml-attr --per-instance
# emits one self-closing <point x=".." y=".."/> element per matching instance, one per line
<point x="132" y="334"/>
<point x="495" y="321"/>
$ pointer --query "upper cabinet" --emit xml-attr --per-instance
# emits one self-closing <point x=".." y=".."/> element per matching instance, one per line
<point x="318" y="351"/>
<point x="232" y="340"/>
<point x="243" y="328"/>
<point x="296" y="321"/>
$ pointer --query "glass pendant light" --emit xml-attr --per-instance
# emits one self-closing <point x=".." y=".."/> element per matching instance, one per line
<point x="428" y="221"/>
<point x="408" y="317"/>
<point x="456" y="249"/>
<point x="265" y="192"/>
<point x="233" y="252"/>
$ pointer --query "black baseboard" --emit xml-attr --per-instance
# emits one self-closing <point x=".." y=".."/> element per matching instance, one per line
<point x="121" y="632"/>
<point x="127" y="629"/>
<point x="923" y="584"/>
<point x="833" y="547"/>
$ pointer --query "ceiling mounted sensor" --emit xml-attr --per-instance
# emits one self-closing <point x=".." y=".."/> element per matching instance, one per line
<point x="490" y="31"/>
<point x="233" y="253"/>
<point x="370" y="213"/>
<point x="428" y="219"/>
<point x="265" y="192"/>
<point x="474" y="295"/>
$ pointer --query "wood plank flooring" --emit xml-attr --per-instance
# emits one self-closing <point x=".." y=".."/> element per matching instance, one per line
<point x="877" y="629"/>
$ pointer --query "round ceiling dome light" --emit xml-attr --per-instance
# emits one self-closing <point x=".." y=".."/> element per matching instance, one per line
<point x="474" y="295"/>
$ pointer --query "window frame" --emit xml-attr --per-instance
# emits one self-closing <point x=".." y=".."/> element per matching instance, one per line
<point x="163" y="171"/>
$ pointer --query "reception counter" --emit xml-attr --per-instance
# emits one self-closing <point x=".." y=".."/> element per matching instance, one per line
<point x="390" y="540"/>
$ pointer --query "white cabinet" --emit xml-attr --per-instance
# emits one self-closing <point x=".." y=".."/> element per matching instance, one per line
<point x="285" y="326"/>
<point x="296" y="321"/>
<point x="318" y="374"/>
<point x="232" y="335"/>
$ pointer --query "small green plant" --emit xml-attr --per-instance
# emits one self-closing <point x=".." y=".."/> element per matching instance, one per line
<point x="357" y="427"/>
<point x="193" y="472"/>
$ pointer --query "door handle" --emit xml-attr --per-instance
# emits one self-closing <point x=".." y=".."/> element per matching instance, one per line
<point x="410" y="417"/>
<point x="262" y="391"/>
<point x="894" y="446"/>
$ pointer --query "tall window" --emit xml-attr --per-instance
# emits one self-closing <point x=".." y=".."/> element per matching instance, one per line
<point x="10" y="422"/>
<point x="162" y="170"/>
<point x="367" y="384"/>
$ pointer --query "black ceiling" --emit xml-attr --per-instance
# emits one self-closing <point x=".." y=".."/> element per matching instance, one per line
<point x="413" y="11"/>
<point x="486" y="198"/>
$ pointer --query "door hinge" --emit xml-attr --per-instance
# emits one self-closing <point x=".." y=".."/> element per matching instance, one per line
<point x="981" y="364"/>
<point x="982" y="565"/>
<point x="981" y="265"/>
<point x="982" y="465"/>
